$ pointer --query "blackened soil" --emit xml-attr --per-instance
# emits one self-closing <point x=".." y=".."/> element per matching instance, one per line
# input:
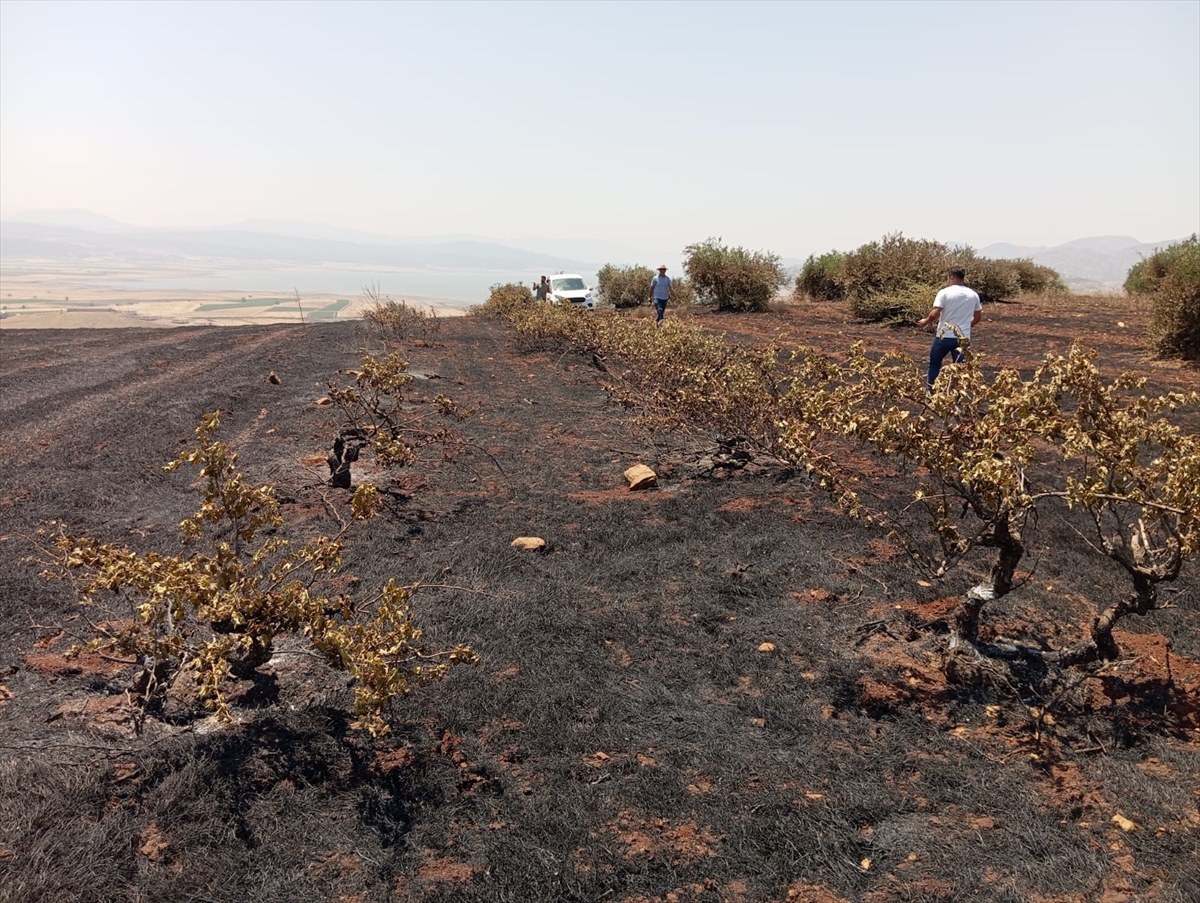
<point x="717" y="690"/>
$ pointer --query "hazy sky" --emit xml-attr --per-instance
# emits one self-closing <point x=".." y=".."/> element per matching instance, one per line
<point x="790" y="127"/>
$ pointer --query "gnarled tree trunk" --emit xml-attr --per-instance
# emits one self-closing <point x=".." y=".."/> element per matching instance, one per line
<point x="1006" y="538"/>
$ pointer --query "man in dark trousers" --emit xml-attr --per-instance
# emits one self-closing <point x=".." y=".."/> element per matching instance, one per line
<point x="955" y="310"/>
<point x="660" y="292"/>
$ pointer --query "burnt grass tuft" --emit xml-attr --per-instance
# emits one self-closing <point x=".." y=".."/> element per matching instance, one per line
<point x="626" y="736"/>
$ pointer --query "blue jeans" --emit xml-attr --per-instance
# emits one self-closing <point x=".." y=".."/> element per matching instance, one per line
<point x="937" y="354"/>
<point x="660" y="307"/>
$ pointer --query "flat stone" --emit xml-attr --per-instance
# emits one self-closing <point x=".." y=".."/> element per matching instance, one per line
<point x="641" y="477"/>
<point x="528" y="543"/>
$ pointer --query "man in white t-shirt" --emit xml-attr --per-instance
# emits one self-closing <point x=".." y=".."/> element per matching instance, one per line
<point x="955" y="310"/>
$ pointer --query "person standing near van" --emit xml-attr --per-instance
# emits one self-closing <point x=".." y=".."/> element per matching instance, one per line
<point x="660" y="293"/>
<point x="955" y="310"/>
<point x="542" y="289"/>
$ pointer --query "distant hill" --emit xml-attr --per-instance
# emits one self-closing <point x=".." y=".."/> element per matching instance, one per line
<point x="75" y="219"/>
<point x="58" y="235"/>
<point x="315" y="231"/>
<point x="1099" y="263"/>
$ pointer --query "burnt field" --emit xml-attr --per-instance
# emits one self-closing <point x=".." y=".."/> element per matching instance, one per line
<point x="721" y="689"/>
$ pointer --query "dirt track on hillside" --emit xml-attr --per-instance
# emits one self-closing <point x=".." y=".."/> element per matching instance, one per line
<point x="626" y="736"/>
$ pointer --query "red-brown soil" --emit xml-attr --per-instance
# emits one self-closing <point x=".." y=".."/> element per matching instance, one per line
<point x="716" y="690"/>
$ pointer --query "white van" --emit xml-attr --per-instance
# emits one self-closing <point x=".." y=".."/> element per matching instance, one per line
<point x="570" y="289"/>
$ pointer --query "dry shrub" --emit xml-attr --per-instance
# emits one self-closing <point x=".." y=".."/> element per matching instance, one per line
<point x="683" y="292"/>
<point x="213" y="612"/>
<point x="1000" y="280"/>
<point x="505" y="299"/>
<point x="376" y="413"/>
<point x="1170" y="278"/>
<point x="892" y="263"/>
<point x="992" y="280"/>
<point x="904" y="304"/>
<point x="398" y="321"/>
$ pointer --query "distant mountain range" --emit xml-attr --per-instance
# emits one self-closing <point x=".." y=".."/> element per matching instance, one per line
<point x="1086" y="264"/>
<point x="79" y="235"/>
<point x="64" y="236"/>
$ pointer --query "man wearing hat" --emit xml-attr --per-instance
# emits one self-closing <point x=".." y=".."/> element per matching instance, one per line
<point x="660" y="292"/>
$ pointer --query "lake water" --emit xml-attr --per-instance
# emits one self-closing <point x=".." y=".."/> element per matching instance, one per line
<point x="464" y="286"/>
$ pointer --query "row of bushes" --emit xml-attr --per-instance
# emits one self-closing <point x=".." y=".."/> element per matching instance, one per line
<point x="896" y="278"/>
<point x="892" y="280"/>
<point x="980" y="459"/>
<point x="731" y="279"/>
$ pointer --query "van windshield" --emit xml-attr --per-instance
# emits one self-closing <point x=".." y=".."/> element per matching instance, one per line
<point x="574" y="284"/>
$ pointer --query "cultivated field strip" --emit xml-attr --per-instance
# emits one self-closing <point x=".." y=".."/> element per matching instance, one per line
<point x="135" y="381"/>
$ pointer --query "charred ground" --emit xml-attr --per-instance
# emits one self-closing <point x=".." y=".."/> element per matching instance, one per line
<point x="627" y="735"/>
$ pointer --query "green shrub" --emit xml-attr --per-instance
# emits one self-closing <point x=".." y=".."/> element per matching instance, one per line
<point x="1175" y="321"/>
<point x="625" y="286"/>
<point x="1147" y="276"/>
<point x="1170" y="280"/>
<point x="733" y="278"/>
<point x="1036" y="279"/>
<point x="820" y="277"/>
<point x="1142" y="277"/>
